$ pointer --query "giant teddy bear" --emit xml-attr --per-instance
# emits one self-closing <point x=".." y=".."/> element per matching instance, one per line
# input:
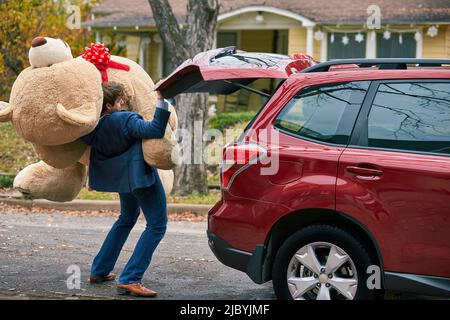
<point x="57" y="100"/>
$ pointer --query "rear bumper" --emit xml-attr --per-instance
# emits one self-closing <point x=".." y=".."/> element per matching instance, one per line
<point x="252" y="263"/>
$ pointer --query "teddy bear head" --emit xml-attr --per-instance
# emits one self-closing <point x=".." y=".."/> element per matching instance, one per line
<point x="51" y="103"/>
<point x="46" y="51"/>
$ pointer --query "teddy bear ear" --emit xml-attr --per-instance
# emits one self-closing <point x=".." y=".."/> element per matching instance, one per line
<point x="86" y="115"/>
<point x="5" y="112"/>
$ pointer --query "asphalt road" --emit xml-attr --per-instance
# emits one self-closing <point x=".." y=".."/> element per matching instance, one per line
<point x="36" y="250"/>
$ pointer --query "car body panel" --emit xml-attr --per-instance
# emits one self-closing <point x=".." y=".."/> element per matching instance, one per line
<point x="407" y="208"/>
<point x="321" y="161"/>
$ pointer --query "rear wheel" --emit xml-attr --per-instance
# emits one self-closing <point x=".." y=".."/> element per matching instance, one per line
<point x="322" y="262"/>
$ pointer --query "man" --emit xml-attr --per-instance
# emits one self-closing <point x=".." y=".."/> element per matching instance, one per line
<point x="117" y="165"/>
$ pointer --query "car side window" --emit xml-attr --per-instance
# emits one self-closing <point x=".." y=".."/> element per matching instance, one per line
<point x="324" y="113"/>
<point x="412" y="116"/>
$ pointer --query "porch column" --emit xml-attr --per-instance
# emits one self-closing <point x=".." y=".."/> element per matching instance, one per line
<point x="419" y="45"/>
<point x="371" y="45"/>
<point x="142" y="53"/>
<point x="324" y="48"/>
<point x="98" y="37"/>
<point x="310" y="40"/>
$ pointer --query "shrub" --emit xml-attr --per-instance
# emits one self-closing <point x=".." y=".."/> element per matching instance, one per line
<point x="229" y="119"/>
<point x="6" y="181"/>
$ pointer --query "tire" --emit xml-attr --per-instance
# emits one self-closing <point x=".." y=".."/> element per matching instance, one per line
<point x="313" y="275"/>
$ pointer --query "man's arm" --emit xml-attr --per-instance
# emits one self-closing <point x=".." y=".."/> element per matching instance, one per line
<point x="141" y="129"/>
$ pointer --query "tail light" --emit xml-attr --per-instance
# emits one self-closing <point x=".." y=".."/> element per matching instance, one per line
<point x="237" y="158"/>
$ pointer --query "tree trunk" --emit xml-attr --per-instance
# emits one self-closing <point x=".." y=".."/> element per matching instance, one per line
<point x="191" y="175"/>
<point x="194" y="36"/>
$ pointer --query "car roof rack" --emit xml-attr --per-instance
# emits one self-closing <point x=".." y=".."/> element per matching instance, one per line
<point x="384" y="63"/>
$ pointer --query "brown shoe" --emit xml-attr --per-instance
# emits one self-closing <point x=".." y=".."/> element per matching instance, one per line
<point x="136" y="289"/>
<point x="97" y="279"/>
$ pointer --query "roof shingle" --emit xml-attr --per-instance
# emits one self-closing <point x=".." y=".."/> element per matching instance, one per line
<point x="138" y="12"/>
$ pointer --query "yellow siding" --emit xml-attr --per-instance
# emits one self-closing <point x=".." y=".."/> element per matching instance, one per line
<point x="297" y="43"/>
<point x="297" y="40"/>
<point x="257" y="40"/>
<point x="448" y="42"/>
<point x="154" y="64"/>
<point x="317" y="49"/>
<point x="436" y="47"/>
<point x="152" y="60"/>
<point x="133" y="47"/>
<point x="151" y="55"/>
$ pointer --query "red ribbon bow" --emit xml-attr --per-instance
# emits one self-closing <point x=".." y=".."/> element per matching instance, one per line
<point x="99" y="56"/>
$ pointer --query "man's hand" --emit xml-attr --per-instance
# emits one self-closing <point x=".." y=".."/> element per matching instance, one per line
<point x="161" y="103"/>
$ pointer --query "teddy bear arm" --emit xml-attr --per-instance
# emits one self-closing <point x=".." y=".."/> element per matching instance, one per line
<point x="85" y="115"/>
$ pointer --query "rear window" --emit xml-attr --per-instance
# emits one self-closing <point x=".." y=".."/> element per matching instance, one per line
<point x="248" y="60"/>
<point x="411" y="116"/>
<point x="324" y="113"/>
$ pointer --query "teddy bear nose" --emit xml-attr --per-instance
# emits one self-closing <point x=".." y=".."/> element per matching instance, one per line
<point x="38" y="41"/>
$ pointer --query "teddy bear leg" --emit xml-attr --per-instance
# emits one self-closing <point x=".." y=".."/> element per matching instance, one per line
<point x="61" y="156"/>
<point x="41" y="181"/>
<point x="167" y="178"/>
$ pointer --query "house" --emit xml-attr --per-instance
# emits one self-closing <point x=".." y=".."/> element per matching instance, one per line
<point x="325" y="29"/>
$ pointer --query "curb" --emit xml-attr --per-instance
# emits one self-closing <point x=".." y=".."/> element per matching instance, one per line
<point x="93" y="205"/>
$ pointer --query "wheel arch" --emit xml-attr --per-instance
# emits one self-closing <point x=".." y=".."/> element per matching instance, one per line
<point x="292" y="222"/>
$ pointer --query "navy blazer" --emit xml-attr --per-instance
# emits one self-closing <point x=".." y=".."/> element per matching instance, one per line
<point x="117" y="161"/>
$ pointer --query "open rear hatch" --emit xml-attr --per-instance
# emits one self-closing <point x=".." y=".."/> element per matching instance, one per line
<point x="226" y="70"/>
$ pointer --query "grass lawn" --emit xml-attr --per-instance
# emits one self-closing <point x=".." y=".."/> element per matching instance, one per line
<point x="211" y="198"/>
<point x="15" y="152"/>
<point x="86" y="194"/>
<point x="229" y="119"/>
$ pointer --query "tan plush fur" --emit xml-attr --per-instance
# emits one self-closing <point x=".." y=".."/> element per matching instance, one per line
<point x="54" y="106"/>
<point x="62" y="156"/>
<point x="5" y="112"/>
<point x="43" y="181"/>
<point x="38" y="93"/>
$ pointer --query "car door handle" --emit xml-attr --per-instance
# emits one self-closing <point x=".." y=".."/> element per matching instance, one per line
<point x="361" y="171"/>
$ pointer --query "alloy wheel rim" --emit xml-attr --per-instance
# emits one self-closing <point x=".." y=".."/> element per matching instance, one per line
<point x="322" y="271"/>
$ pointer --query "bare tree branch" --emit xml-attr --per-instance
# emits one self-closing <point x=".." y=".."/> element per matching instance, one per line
<point x="173" y="36"/>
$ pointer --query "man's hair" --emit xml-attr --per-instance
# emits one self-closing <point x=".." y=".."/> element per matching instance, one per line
<point x="111" y="91"/>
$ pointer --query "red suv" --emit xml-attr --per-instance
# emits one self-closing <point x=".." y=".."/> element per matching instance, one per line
<point x="341" y="183"/>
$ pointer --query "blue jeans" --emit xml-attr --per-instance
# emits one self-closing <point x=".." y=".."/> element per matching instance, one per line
<point x="152" y="200"/>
